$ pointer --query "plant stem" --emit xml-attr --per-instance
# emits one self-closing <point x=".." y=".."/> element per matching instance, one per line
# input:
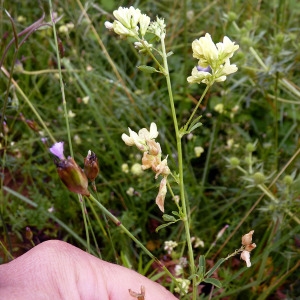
<point x="185" y="218"/>
<point x="83" y="211"/>
<point x="197" y="106"/>
<point x="61" y="80"/>
<point x="129" y="234"/>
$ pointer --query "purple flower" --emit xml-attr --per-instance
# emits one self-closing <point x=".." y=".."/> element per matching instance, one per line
<point x="58" y="150"/>
<point x="207" y="69"/>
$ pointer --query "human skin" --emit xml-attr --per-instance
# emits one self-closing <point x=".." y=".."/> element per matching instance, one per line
<point x="58" y="270"/>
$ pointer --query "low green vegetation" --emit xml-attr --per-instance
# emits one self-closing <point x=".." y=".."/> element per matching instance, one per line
<point x="240" y="167"/>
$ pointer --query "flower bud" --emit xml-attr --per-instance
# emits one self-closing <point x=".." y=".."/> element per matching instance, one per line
<point x="234" y="161"/>
<point x="72" y="176"/>
<point x="250" y="147"/>
<point x="91" y="167"/>
<point x="288" y="180"/>
<point x="28" y="234"/>
<point x="259" y="178"/>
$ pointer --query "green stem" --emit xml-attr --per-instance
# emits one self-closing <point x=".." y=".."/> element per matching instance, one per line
<point x="83" y="211"/>
<point x="208" y="156"/>
<point x="197" y="106"/>
<point x="61" y="80"/>
<point x="125" y="230"/>
<point x="185" y="218"/>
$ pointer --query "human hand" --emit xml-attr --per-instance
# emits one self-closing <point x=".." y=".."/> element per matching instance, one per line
<point x="58" y="270"/>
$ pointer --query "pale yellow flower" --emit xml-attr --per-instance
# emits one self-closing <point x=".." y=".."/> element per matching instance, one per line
<point x="215" y="57"/>
<point x="144" y="24"/>
<point x="198" y="151"/>
<point x="205" y="50"/>
<point x="128" y="17"/>
<point x="184" y="286"/>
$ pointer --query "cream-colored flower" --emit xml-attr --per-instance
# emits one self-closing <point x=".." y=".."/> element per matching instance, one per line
<point x="219" y="108"/>
<point x="169" y="246"/>
<point x="245" y="255"/>
<point x="205" y="50"/>
<point x="160" y="198"/>
<point x="125" y="168"/>
<point x="198" y="151"/>
<point x="200" y="76"/>
<point x="144" y="24"/>
<point x="162" y="168"/>
<point x="128" y="17"/>
<point x="130" y="191"/>
<point x="216" y="57"/>
<point x="226" y="49"/>
<point x="224" y="70"/>
<point x="248" y="247"/>
<point x="184" y="286"/>
<point x="120" y="29"/>
<point x="143" y="47"/>
<point x="140" y="139"/>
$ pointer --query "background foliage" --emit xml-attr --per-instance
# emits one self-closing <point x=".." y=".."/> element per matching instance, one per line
<point x="261" y="104"/>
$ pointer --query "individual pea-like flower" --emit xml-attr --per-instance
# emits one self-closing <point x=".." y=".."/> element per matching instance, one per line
<point x="140" y="139"/>
<point x="160" y="198"/>
<point x="248" y="246"/>
<point x="200" y="76"/>
<point x="144" y="24"/>
<point x="214" y="60"/>
<point x="69" y="172"/>
<point x="142" y="47"/>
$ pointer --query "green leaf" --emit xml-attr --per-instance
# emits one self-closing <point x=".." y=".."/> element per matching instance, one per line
<point x="215" y="267"/>
<point x="147" y="69"/>
<point x="176" y="213"/>
<point x="195" y="124"/>
<point x="194" y="127"/>
<point x="202" y="265"/>
<point x="168" y="218"/>
<point x="163" y="226"/>
<point x="213" y="281"/>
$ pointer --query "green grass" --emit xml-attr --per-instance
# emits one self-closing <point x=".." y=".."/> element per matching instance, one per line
<point x="265" y="89"/>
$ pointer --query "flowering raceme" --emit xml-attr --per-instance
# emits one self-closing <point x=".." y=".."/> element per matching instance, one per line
<point x="144" y="140"/>
<point x="127" y="20"/>
<point x="214" y="60"/>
